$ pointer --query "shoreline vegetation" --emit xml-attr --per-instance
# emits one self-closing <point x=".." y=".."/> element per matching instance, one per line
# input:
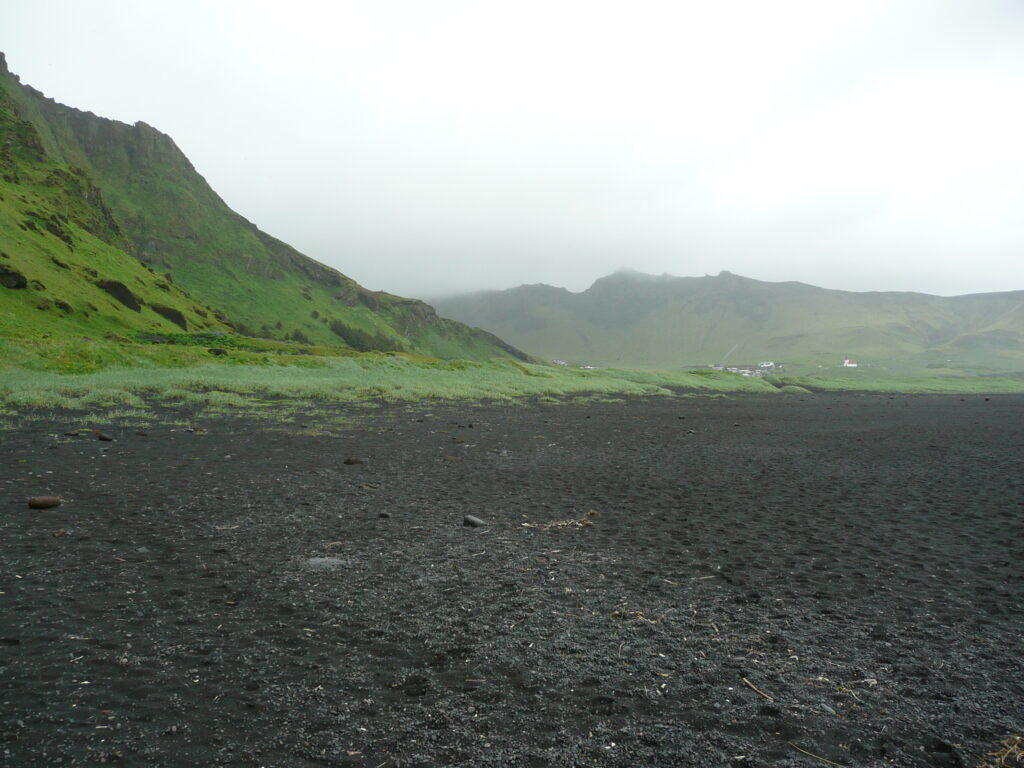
<point x="126" y="381"/>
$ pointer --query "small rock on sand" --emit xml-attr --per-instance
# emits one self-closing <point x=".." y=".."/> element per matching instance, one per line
<point x="353" y="460"/>
<point x="324" y="563"/>
<point x="45" y="502"/>
<point x="471" y="521"/>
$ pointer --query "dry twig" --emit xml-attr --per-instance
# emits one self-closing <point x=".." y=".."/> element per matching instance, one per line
<point x="755" y="689"/>
<point x="816" y="757"/>
<point x="1010" y="756"/>
<point x="580" y="523"/>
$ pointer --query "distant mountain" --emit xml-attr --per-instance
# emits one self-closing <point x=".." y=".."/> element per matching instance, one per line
<point x="632" y="319"/>
<point x="107" y="227"/>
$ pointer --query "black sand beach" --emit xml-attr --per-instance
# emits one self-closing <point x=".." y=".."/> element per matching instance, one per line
<point x="752" y="581"/>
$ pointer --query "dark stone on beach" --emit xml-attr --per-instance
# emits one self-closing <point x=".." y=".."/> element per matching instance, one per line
<point x="352" y="460"/>
<point x="325" y="563"/>
<point x="104" y="437"/>
<point x="45" y="502"/>
<point x="383" y="514"/>
<point x="471" y="521"/>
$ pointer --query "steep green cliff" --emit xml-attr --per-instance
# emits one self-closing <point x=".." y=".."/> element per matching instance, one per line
<point x="98" y="190"/>
<point x="64" y="262"/>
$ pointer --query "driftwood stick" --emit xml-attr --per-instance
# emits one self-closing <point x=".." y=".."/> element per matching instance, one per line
<point x="755" y="689"/>
<point x="816" y="757"/>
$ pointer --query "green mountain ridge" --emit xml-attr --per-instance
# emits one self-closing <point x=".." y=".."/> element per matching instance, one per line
<point x="631" y="319"/>
<point x="107" y="227"/>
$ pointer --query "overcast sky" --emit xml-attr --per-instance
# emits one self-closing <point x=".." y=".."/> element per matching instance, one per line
<point x="427" y="148"/>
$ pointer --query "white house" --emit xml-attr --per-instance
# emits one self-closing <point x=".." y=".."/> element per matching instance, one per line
<point x="848" y="363"/>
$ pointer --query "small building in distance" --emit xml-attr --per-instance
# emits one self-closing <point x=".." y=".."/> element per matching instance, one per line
<point x="848" y="363"/>
<point x="761" y="369"/>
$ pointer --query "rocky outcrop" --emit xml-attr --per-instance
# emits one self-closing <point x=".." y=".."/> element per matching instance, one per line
<point x="122" y="293"/>
<point x="12" y="278"/>
<point x="172" y="314"/>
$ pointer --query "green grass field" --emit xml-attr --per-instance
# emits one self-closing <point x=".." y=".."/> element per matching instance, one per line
<point x="910" y="384"/>
<point x="126" y="383"/>
<point x="266" y="383"/>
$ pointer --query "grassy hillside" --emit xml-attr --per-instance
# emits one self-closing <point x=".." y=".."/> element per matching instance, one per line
<point x="629" y="319"/>
<point x="115" y="190"/>
<point x="64" y="270"/>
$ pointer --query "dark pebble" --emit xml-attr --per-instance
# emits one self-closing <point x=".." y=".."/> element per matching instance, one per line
<point x="44" y="502"/>
<point x="472" y="522"/>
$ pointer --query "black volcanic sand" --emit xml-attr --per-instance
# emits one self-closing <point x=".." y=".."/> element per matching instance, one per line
<point x="762" y="578"/>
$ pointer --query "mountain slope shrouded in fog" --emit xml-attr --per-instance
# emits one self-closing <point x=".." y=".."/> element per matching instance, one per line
<point x="631" y="319"/>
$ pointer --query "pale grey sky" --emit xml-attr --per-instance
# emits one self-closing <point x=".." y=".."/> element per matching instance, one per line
<point x="433" y="147"/>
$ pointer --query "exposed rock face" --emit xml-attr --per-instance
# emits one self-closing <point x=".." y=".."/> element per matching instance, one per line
<point x="121" y="292"/>
<point x="12" y="278"/>
<point x="172" y="314"/>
